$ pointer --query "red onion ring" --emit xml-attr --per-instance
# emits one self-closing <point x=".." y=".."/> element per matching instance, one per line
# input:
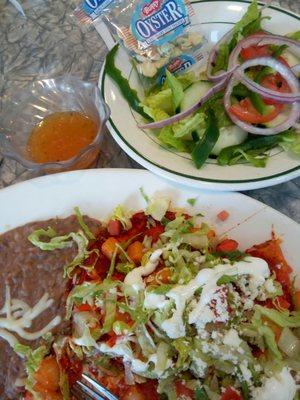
<point x="178" y="117"/>
<point x="284" y="71"/>
<point x="286" y="124"/>
<point x="261" y="39"/>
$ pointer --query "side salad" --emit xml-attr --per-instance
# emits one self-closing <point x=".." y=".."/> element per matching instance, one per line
<point x="246" y="103"/>
<point x="160" y="307"/>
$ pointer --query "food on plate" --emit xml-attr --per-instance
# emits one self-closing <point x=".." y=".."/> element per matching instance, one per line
<point x="246" y="103"/>
<point x="157" y="306"/>
<point x="61" y="136"/>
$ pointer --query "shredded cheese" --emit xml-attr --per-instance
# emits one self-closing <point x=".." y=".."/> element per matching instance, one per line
<point x="18" y="316"/>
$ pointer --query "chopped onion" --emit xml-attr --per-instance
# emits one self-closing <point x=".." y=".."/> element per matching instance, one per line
<point x="261" y="39"/>
<point x="178" y="117"/>
<point x="284" y="71"/>
<point x="292" y="81"/>
<point x="289" y="344"/>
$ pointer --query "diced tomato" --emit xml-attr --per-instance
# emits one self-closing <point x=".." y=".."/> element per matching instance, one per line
<point x="170" y="215"/>
<point x="227" y="246"/>
<point x="271" y="252"/>
<point x="163" y="276"/>
<point x="149" y="389"/>
<point x="72" y="367"/>
<point x="245" y="111"/>
<point x="139" y="222"/>
<point x="154" y="232"/>
<point x="108" y="248"/>
<point x="28" y="396"/>
<point x="277" y="83"/>
<point x="223" y="215"/>
<point x="124" y="317"/>
<point x="112" y="340"/>
<point x="134" y="393"/>
<point x="135" y="251"/>
<point x="114" y="227"/>
<point x="83" y="307"/>
<point x="279" y="303"/>
<point x="255" y="51"/>
<point x="118" y="276"/>
<point x="231" y="394"/>
<point x="183" y="392"/>
<point x="296" y="300"/>
<point x="211" y="234"/>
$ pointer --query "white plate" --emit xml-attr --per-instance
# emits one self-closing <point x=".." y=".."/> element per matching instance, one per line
<point x="217" y="18"/>
<point x="97" y="192"/>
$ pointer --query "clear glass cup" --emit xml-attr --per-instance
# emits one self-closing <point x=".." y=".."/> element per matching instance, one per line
<point x="28" y="107"/>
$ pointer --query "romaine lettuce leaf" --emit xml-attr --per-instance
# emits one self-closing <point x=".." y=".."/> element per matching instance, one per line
<point x="166" y="137"/>
<point x="184" y="128"/>
<point x="157" y="114"/>
<point x="176" y="88"/>
<point x="291" y="142"/>
<point x="161" y="100"/>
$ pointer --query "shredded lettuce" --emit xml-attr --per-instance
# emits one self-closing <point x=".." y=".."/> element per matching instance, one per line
<point x="120" y="328"/>
<point x="157" y="208"/>
<point x="281" y="318"/>
<point x="184" y="348"/>
<point x="110" y="307"/>
<point x="64" y="385"/>
<point x="55" y="242"/>
<point x="167" y="387"/>
<point x="122" y="215"/>
<point x="87" y="292"/>
<point x="125" y="268"/>
<point x="82" y="245"/>
<point x="33" y="361"/>
<point x="291" y="142"/>
<point x="83" y="225"/>
<point x="176" y="88"/>
<point x="145" y="340"/>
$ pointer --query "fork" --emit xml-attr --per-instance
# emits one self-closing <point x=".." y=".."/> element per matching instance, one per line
<point x="89" y="389"/>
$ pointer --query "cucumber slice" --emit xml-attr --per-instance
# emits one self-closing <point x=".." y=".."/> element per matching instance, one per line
<point x="229" y="136"/>
<point x="193" y="93"/>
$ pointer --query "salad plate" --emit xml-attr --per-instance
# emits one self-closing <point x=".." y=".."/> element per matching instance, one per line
<point x="217" y="18"/>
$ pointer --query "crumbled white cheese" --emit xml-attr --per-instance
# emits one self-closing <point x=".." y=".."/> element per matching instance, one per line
<point x="198" y="367"/>
<point x="232" y="338"/>
<point x="247" y="376"/>
<point x="207" y="279"/>
<point x="279" y="387"/>
<point x="134" y="278"/>
<point x="154" y="301"/>
<point x="269" y="285"/>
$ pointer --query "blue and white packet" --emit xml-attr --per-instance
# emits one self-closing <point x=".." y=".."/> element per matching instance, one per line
<point x="157" y="34"/>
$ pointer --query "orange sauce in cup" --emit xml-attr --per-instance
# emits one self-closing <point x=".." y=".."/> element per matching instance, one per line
<point x="61" y="136"/>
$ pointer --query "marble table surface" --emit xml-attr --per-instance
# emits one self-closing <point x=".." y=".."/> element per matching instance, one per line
<point x="48" y="42"/>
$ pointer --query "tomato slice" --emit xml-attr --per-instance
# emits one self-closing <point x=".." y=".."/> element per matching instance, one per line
<point x="183" y="392"/>
<point x="245" y="111"/>
<point x="231" y="394"/>
<point x="277" y="83"/>
<point x="255" y="51"/>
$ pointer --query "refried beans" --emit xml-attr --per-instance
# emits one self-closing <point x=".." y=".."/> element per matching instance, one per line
<point x="30" y="273"/>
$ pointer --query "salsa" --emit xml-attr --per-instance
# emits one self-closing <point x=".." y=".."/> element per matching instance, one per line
<point x="60" y="136"/>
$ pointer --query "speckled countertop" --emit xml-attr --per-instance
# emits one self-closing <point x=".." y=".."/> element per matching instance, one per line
<point x="48" y="42"/>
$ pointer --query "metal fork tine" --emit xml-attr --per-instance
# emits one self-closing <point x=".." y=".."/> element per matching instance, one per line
<point x="86" y="390"/>
<point x="79" y="394"/>
<point x="102" y="390"/>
